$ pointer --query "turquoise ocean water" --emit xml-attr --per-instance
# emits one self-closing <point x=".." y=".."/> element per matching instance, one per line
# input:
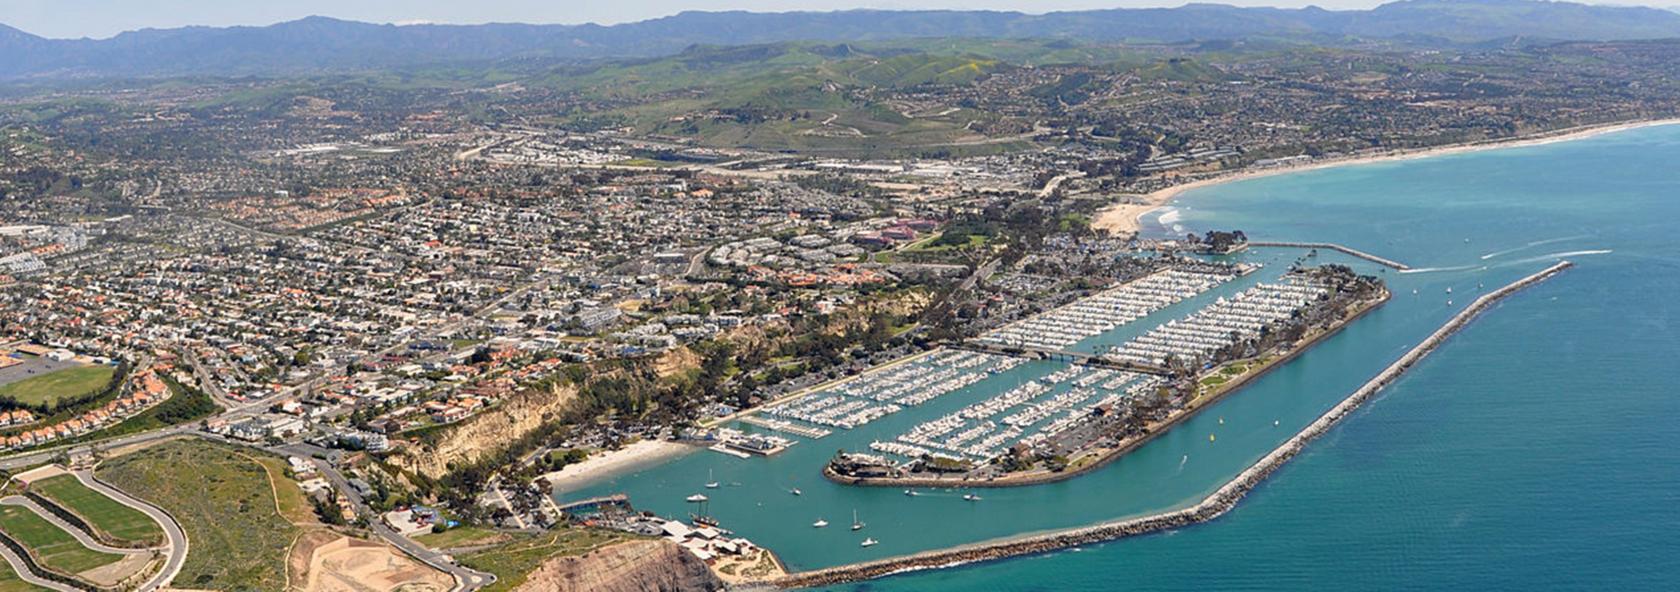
<point x="1539" y="448"/>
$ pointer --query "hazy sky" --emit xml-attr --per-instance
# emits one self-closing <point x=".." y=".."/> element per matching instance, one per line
<point x="104" y="18"/>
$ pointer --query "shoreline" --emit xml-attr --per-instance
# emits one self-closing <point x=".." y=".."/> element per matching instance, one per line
<point x="1151" y="431"/>
<point x="606" y="464"/>
<point x="1126" y="218"/>
<point x="1208" y="508"/>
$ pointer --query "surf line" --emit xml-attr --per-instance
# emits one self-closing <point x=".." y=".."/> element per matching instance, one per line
<point x="1210" y="507"/>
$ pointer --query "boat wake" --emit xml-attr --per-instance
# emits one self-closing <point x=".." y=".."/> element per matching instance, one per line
<point x="1532" y="245"/>
<point x="1440" y="269"/>
<point x="1557" y="256"/>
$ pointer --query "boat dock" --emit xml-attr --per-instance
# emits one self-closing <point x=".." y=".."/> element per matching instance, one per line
<point x="595" y="503"/>
<point x="1081" y="358"/>
<point x="782" y="425"/>
<point x="1208" y="508"/>
<point x="1396" y="265"/>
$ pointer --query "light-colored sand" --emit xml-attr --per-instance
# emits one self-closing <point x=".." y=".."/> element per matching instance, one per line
<point x="111" y="574"/>
<point x="605" y="464"/>
<point x="352" y="565"/>
<point x="39" y="473"/>
<point x="1124" y="218"/>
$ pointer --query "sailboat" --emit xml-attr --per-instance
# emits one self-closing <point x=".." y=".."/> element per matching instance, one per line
<point x="868" y="542"/>
<point x="710" y="482"/>
<point x="819" y="523"/>
<point x="855" y="524"/>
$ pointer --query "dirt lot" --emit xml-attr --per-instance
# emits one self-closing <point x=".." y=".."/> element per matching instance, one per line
<point x="325" y="561"/>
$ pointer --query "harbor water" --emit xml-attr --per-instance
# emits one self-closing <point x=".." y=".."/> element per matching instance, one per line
<point x="1536" y="449"/>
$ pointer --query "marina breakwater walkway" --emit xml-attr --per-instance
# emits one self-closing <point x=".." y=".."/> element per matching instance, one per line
<point x="1398" y="266"/>
<point x="1208" y="508"/>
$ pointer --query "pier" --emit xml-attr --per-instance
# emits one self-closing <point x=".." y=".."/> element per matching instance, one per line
<point x="1396" y="265"/>
<point x="1081" y="358"/>
<point x="1210" y="507"/>
<point x="596" y="503"/>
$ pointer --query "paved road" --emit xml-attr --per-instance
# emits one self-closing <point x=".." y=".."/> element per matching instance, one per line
<point x="466" y="580"/>
<point x="81" y="536"/>
<point x="177" y="543"/>
<point x="23" y="573"/>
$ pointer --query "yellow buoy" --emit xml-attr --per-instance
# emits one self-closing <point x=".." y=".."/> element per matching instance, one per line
<point x="1210" y="437"/>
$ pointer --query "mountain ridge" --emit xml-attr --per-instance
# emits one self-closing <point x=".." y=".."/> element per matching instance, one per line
<point x="318" y="43"/>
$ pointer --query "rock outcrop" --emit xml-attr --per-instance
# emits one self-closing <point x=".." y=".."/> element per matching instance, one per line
<point x="634" y="566"/>
<point x="522" y="412"/>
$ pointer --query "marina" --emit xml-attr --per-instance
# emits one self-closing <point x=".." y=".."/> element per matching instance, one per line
<point x="973" y="410"/>
<point x="1105" y="311"/>
<point x="1207" y="508"/>
<point x="1191" y="341"/>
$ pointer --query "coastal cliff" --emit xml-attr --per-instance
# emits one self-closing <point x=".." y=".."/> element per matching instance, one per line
<point x="490" y="430"/>
<point x="633" y="566"/>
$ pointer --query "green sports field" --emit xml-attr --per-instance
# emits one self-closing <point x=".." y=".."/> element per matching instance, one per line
<point x="113" y="519"/>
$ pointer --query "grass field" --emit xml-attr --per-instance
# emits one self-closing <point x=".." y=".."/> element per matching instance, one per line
<point x="225" y="503"/>
<point x="458" y="537"/>
<point x="118" y="521"/>
<point x="48" y="389"/>
<point x="53" y="547"/>
<point x="513" y="560"/>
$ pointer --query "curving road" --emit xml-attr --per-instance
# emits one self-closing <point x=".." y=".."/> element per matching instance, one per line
<point x="177" y="544"/>
<point x="175" y="549"/>
<point x="466" y="579"/>
<point x="81" y="536"/>
<point x="23" y="573"/>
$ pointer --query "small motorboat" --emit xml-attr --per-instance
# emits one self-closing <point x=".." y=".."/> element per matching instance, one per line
<point x="819" y="523"/>
<point x="868" y="542"/>
<point x="910" y="493"/>
<point x="796" y="491"/>
<point x="971" y="497"/>
<point x="697" y="498"/>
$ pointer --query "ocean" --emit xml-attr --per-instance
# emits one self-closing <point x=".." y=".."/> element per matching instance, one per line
<point x="1538" y="448"/>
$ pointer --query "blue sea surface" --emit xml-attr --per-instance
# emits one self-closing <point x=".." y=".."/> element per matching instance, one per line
<point x="1538" y="448"/>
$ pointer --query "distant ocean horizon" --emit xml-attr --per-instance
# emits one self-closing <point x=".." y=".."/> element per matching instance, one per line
<point x="1537" y="449"/>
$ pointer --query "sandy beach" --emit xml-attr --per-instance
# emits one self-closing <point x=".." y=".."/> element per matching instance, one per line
<point x="1125" y="218"/>
<point x="605" y="464"/>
